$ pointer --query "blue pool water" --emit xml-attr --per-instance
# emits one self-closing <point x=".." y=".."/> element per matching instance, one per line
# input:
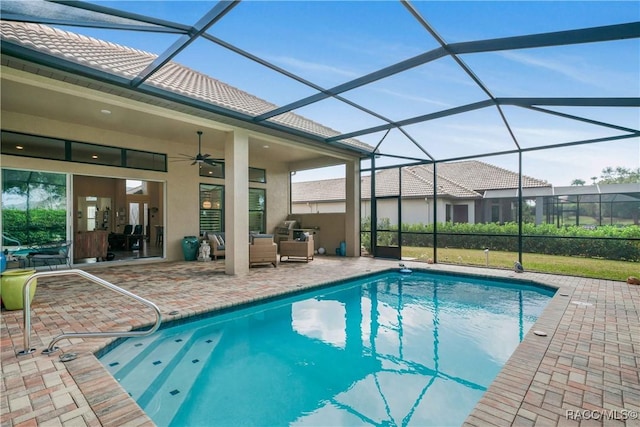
<point x="390" y="349"/>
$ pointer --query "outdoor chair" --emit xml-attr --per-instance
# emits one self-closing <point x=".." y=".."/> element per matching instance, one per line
<point x="55" y="253"/>
<point x="263" y="250"/>
<point x="216" y="241"/>
<point x="297" y="249"/>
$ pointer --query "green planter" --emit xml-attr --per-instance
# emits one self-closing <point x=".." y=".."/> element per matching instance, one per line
<point x="11" y="289"/>
<point x="190" y="248"/>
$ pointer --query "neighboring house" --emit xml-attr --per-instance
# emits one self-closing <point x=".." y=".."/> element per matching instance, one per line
<point x="468" y="192"/>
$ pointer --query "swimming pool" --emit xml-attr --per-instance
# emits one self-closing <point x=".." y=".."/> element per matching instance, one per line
<point x="388" y="349"/>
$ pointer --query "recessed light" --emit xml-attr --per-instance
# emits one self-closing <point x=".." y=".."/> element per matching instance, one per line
<point x="95" y="156"/>
<point x="105" y="111"/>
<point x="265" y="146"/>
<point x="19" y="147"/>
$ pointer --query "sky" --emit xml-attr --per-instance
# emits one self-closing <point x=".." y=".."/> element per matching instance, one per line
<point x="330" y="43"/>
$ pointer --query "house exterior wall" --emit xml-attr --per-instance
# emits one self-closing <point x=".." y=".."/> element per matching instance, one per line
<point x="318" y="207"/>
<point x="414" y="211"/>
<point x="331" y="229"/>
<point x="181" y="182"/>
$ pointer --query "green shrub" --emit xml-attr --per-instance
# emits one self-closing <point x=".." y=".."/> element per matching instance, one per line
<point x="606" y="242"/>
<point x="35" y="226"/>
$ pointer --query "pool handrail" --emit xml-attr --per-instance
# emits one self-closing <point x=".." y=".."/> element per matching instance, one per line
<point x="50" y="349"/>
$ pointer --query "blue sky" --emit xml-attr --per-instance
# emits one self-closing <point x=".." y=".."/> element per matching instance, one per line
<point x="330" y="43"/>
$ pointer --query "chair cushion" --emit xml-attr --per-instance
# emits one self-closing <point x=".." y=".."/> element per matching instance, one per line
<point x="252" y="237"/>
<point x="219" y="239"/>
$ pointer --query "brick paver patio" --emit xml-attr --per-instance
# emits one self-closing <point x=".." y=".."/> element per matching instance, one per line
<point x="585" y="371"/>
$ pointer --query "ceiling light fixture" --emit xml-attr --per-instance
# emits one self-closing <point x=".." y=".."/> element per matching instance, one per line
<point x="105" y="111"/>
<point x="19" y="147"/>
<point x="95" y="156"/>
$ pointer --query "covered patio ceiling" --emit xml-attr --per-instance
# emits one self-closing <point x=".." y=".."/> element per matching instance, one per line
<point x="414" y="81"/>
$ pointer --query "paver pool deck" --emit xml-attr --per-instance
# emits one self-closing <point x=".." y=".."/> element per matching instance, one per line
<point x="585" y="371"/>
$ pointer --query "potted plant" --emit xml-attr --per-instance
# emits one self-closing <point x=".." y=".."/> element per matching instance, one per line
<point x="12" y="285"/>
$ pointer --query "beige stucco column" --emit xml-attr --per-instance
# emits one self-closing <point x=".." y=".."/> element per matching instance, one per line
<point x="352" y="217"/>
<point x="236" y="203"/>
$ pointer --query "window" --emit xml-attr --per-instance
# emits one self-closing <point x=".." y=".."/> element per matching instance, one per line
<point x="257" y="175"/>
<point x="144" y="160"/>
<point x="495" y="213"/>
<point x="257" y="210"/>
<point x="19" y="144"/>
<point x="460" y="213"/>
<point x="98" y="154"/>
<point x="34" y="208"/>
<point x="91" y="212"/>
<point x="211" y="208"/>
<point x="215" y="170"/>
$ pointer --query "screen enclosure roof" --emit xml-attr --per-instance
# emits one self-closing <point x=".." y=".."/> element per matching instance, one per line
<point x="411" y="81"/>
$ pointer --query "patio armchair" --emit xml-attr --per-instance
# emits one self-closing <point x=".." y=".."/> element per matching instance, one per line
<point x="263" y="250"/>
<point x="297" y="249"/>
<point x="217" y="243"/>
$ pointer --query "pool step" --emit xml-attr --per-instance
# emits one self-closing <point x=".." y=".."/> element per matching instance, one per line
<point x="164" y="397"/>
<point x="153" y="357"/>
<point x="127" y="352"/>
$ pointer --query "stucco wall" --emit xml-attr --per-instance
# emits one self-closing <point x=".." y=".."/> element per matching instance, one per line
<point x="322" y="207"/>
<point x="181" y="182"/>
<point x="414" y="211"/>
<point x="331" y="229"/>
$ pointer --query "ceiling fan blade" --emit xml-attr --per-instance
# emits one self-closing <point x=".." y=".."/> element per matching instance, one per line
<point x="204" y="156"/>
<point x="194" y="162"/>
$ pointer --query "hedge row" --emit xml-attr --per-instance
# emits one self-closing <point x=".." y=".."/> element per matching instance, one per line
<point x="40" y="227"/>
<point x="607" y="242"/>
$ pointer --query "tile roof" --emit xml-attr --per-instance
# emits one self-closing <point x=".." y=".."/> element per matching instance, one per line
<point x="481" y="176"/>
<point x="461" y="180"/>
<point x="321" y="190"/>
<point x="128" y="62"/>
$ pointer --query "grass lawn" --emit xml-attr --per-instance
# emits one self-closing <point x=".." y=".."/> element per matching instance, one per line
<point x="570" y="266"/>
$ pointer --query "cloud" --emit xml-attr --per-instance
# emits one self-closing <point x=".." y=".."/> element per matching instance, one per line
<point x="297" y="65"/>
<point x="413" y="97"/>
<point x="572" y="67"/>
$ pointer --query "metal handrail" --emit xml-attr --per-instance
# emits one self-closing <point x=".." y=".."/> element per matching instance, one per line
<point x="27" y="311"/>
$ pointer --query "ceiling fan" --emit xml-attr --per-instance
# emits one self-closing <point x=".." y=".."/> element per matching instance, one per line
<point x="200" y="158"/>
